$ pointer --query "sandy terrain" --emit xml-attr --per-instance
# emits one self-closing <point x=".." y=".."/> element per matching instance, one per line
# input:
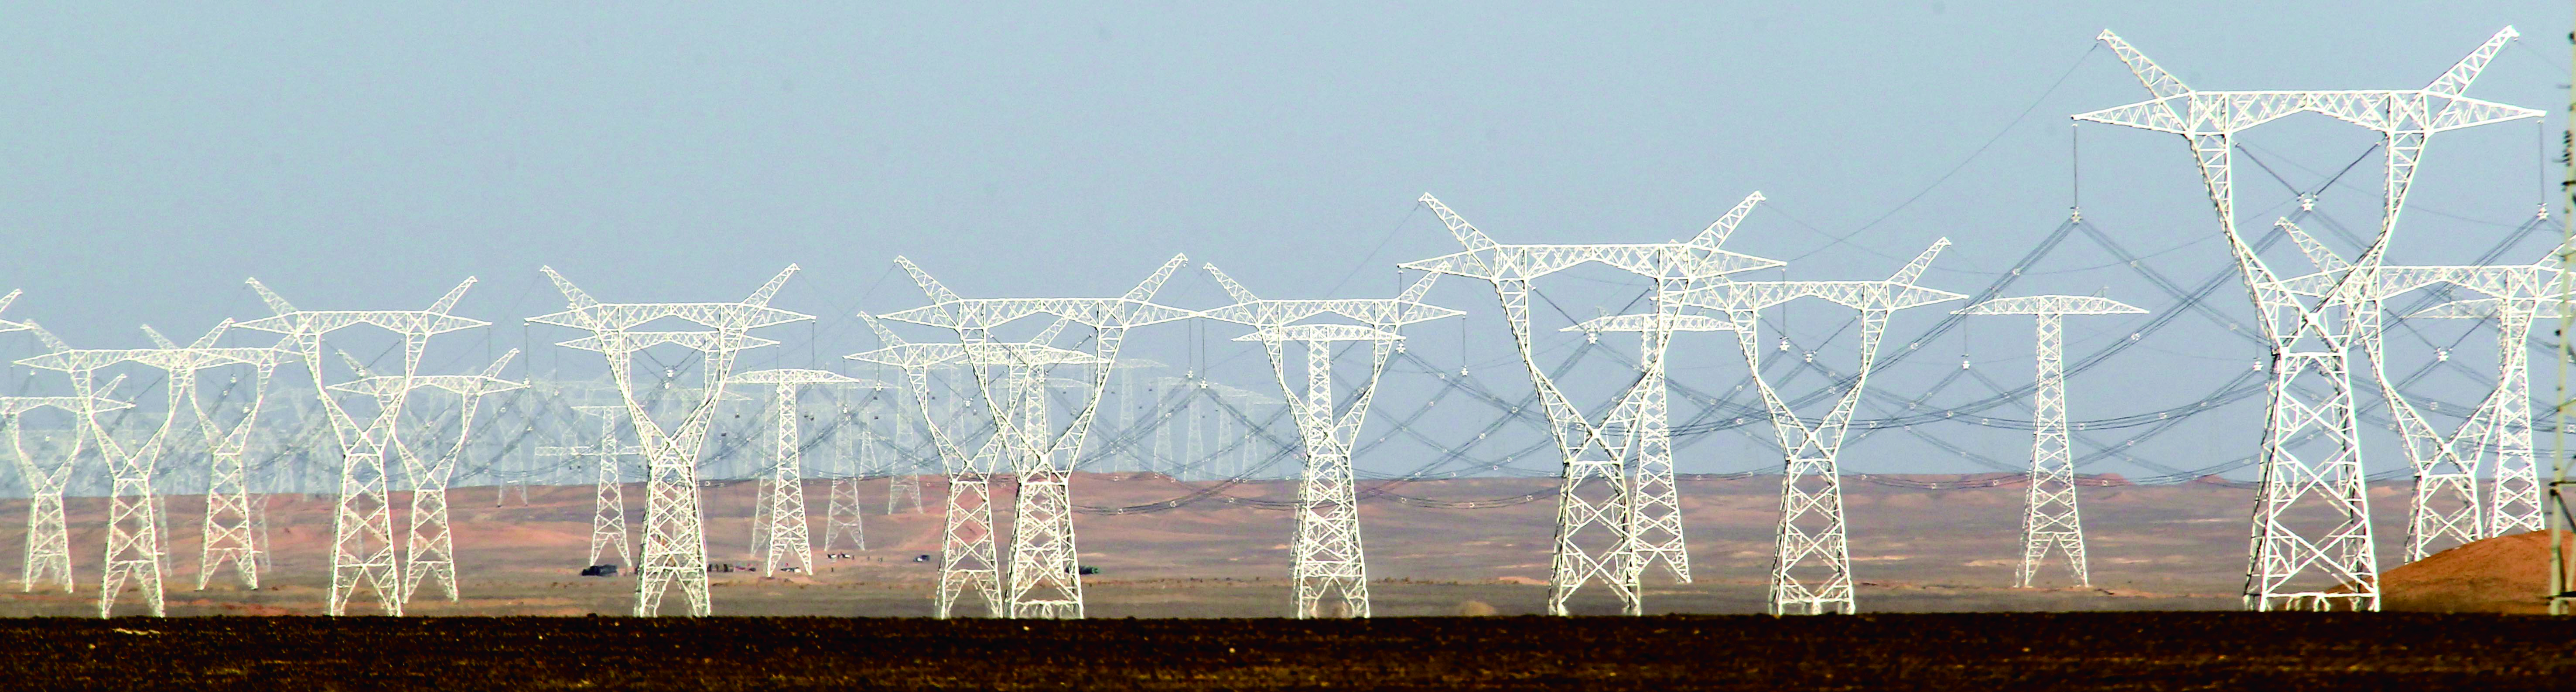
<point x="2176" y="547"/>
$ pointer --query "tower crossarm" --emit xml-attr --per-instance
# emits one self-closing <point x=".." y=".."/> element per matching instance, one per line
<point x="1699" y="258"/>
<point x="1382" y="313"/>
<point x="1135" y="308"/>
<point x="5" y="300"/>
<point x="2050" y="305"/>
<point x="1647" y="322"/>
<point x="2437" y="107"/>
<point x="752" y="312"/>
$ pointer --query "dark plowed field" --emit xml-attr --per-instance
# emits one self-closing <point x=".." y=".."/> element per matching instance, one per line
<point x="1944" y="651"/>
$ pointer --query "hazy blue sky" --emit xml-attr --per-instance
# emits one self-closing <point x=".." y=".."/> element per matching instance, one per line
<point x="369" y="157"/>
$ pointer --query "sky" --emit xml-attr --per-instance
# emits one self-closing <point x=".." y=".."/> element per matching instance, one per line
<point x="369" y="157"/>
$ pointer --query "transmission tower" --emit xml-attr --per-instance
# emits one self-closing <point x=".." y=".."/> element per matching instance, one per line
<point x="675" y="537"/>
<point x="906" y="481"/>
<point x="969" y="557"/>
<point x="2049" y="520"/>
<point x="1328" y="561"/>
<point x="362" y="537"/>
<point x="2514" y="497"/>
<point x="2311" y="444"/>
<point x="49" y="554"/>
<point x="1657" y="521"/>
<point x="227" y="537"/>
<point x="429" y="547"/>
<point x="2445" y="507"/>
<point x="608" y="497"/>
<point x="843" y="516"/>
<point x="1596" y="535"/>
<point x="134" y="526"/>
<point x="1811" y="559"/>
<point x="1045" y="579"/>
<point x="786" y="532"/>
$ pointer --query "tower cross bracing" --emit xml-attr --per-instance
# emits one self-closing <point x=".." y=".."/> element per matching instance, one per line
<point x="1811" y="554"/>
<point x="1596" y="537"/>
<point x="48" y="551"/>
<point x="1045" y="578"/>
<point x="1325" y="549"/>
<point x="2050" y="521"/>
<point x="786" y="535"/>
<point x="674" y="551"/>
<point x="2290" y="562"/>
<point x="362" y="543"/>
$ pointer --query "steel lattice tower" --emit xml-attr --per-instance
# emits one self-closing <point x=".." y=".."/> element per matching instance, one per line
<point x="362" y="543"/>
<point x="905" y="480"/>
<point x="1045" y="579"/>
<point x="49" y="554"/>
<point x="226" y="538"/>
<point x="969" y="557"/>
<point x="843" y="516"/>
<point x="1657" y="521"/>
<point x="1326" y="548"/>
<point x="1596" y="534"/>
<point x="2049" y="520"/>
<point x="2513" y="500"/>
<point x="784" y="529"/>
<point x="134" y="549"/>
<point x="1811" y="559"/>
<point x="428" y="546"/>
<point x="48" y="537"/>
<point x="675" y="545"/>
<point x="2311" y="332"/>
<point x="608" y="496"/>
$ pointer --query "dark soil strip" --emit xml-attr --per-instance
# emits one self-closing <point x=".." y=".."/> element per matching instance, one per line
<point x="1978" y="651"/>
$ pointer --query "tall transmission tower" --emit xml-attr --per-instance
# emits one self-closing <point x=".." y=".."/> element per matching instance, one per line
<point x="608" y="496"/>
<point x="1045" y="579"/>
<point x="843" y="516"/>
<point x="787" y="533"/>
<point x="2513" y="497"/>
<point x="48" y="536"/>
<point x="2445" y="508"/>
<point x="134" y="549"/>
<point x="1657" y="521"/>
<point x="969" y="557"/>
<point x="362" y="535"/>
<point x="2311" y="441"/>
<point x="1328" y="561"/>
<point x="227" y="537"/>
<point x="2049" y="520"/>
<point x="675" y="537"/>
<point x="1596" y="536"/>
<point x="905" y="481"/>
<point x="1811" y="558"/>
<point x="428" y="546"/>
<point x="49" y="554"/>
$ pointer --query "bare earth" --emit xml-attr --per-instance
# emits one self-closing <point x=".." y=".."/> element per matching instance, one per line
<point x="2174" y="547"/>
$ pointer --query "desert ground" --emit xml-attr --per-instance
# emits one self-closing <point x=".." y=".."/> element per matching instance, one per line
<point x="2166" y="548"/>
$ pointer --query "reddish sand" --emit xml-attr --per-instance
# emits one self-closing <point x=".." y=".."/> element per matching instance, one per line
<point x="2505" y="574"/>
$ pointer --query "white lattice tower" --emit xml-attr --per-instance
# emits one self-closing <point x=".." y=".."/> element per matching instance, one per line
<point x="1329" y="570"/>
<point x="48" y="553"/>
<point x="843" y="518"/>
<point x="906" y="481"/>
<point x="786" y="533"/>
<point x="968" y="558"/>
<point x="1811" y="558"/>
<point x="2050" y="521"/>
<point x="1045" y="579"/>
<point x="134" y="528"/>
<point x="227" y="537"/>
<point x="675" y="545"/>
<point x="428" y="544"/>
<point x="2513" y="499"/>
<point x="1596" y="535"/>
<point x="2445" y="508"/>
<point x="1657" y="521"/>
<point x="608" y="494"/>
<point x="2311" y="334"/>
<point x="362" y="534"/>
